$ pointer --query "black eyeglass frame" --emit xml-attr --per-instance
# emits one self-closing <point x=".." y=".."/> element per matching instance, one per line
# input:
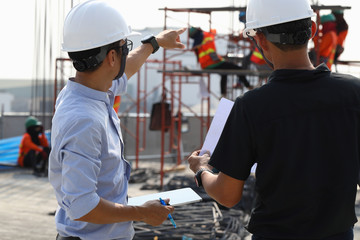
<point x="125" y="48"/>
<point x="93" y="61"/>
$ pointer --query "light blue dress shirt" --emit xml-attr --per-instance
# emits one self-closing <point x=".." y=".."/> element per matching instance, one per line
<point x="87" y="160"/>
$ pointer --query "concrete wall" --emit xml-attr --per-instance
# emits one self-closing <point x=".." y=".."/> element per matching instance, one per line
<point x="13" y="124"/>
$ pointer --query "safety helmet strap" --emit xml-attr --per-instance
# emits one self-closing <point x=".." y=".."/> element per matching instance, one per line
<point x="260" y="50"/>
<point x="297" y="38"/>
<point x="90" y="62"/>
<point x="124" y="53"/>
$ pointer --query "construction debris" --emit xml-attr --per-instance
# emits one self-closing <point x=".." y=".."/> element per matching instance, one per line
<point x="204" y="220"/>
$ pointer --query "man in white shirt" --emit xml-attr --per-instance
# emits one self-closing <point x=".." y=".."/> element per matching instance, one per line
<point x="87" y="166"/>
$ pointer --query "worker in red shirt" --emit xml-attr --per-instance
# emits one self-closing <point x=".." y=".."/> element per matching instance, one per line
<point x="326" y="40"/>
<point x="34" y="147"/>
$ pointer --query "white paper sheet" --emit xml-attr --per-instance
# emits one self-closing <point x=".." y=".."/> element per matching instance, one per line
<point x="216" y="126"/>
<point x="177" y="197"/>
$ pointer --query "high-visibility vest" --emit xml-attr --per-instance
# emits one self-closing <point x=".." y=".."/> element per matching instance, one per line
<point x="257" y="57"/>
<point x="207" y="51"/>
<point x="117" y="103"/>
<point x="327" y="48"/>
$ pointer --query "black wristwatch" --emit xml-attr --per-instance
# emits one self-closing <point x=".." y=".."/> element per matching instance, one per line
<point x="197" y="177"/>
<point x="152" y="40"/>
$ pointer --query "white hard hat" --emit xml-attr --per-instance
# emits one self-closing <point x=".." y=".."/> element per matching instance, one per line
<point x="93" y="24"/>
<point x="263" y="13"/>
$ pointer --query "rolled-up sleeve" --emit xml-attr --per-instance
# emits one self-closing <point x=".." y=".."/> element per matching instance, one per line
<point x="80" y="159"/>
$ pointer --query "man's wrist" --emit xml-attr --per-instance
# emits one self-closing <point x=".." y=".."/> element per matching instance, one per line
<point x="139" y="213"/>
<point x="151" y="39"/>
<point x="198" y="174"/>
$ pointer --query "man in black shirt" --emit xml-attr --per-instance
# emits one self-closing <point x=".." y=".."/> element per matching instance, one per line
<point x="302" y="129"/>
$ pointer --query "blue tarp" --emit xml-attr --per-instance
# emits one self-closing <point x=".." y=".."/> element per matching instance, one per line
<point x="9" y="149"/>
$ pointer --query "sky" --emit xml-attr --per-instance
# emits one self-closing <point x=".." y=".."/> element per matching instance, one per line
<point x="17" y="25"/>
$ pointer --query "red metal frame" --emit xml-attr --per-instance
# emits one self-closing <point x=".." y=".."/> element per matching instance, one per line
<point x="173" y="95"/>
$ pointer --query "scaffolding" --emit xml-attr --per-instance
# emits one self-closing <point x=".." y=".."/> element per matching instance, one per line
<point x="179" y="76"/>
<point x="173" y="77"/>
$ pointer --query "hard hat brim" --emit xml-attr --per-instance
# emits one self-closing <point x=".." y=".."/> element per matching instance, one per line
<point x="65" y="49"/>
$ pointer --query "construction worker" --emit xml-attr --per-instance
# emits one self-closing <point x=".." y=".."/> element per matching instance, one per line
<point x="205" y="50"/>
<point x="87" y="167"/>
<point x="34" y="147"/>
<point x="326" y="40"/>
<point x="301" y="128"/>
<point x="341" y="30"/>
<point x="254" y="56"/>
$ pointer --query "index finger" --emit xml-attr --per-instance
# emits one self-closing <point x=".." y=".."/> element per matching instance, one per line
<point x="167" y="201"/>
<point x="170" y="208"/>
<point x="181" y="30"/>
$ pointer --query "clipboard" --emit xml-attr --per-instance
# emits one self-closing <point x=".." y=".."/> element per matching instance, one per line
<point x="177" y="197"/>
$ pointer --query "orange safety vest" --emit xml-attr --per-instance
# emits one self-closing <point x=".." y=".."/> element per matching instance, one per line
<point x="207" y="51"/>
<point x="117" y="103"/>
<point x="26" y="145"/>
<point x="257" y="57"/>
<point x="327" y="48"/>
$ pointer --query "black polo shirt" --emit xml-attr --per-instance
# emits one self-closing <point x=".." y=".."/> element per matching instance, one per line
<point x="302" y="128"/>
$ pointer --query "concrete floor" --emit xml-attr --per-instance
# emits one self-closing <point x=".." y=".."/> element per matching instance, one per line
<point x="27" y="202"/>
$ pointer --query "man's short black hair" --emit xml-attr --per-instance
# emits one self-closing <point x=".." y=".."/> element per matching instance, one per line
<point x="86" y="54"/>
<point x="293" y="27"/>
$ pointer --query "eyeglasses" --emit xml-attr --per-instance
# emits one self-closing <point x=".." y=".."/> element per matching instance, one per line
<point x="128" y="43"/>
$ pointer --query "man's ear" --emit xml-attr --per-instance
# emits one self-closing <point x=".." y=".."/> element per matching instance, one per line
<point x="261" y="41"/>
<point x="110" y="57"/>
<point x="313" y="29"/>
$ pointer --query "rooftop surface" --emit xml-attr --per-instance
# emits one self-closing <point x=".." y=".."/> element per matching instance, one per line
<point x="28" y="204"/>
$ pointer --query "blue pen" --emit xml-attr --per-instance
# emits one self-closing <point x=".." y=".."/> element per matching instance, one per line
<point x="169" y="216"/>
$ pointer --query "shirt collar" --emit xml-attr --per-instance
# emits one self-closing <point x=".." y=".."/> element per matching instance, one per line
<point x="87" y="92"/>
<point x="298" y="74"/>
